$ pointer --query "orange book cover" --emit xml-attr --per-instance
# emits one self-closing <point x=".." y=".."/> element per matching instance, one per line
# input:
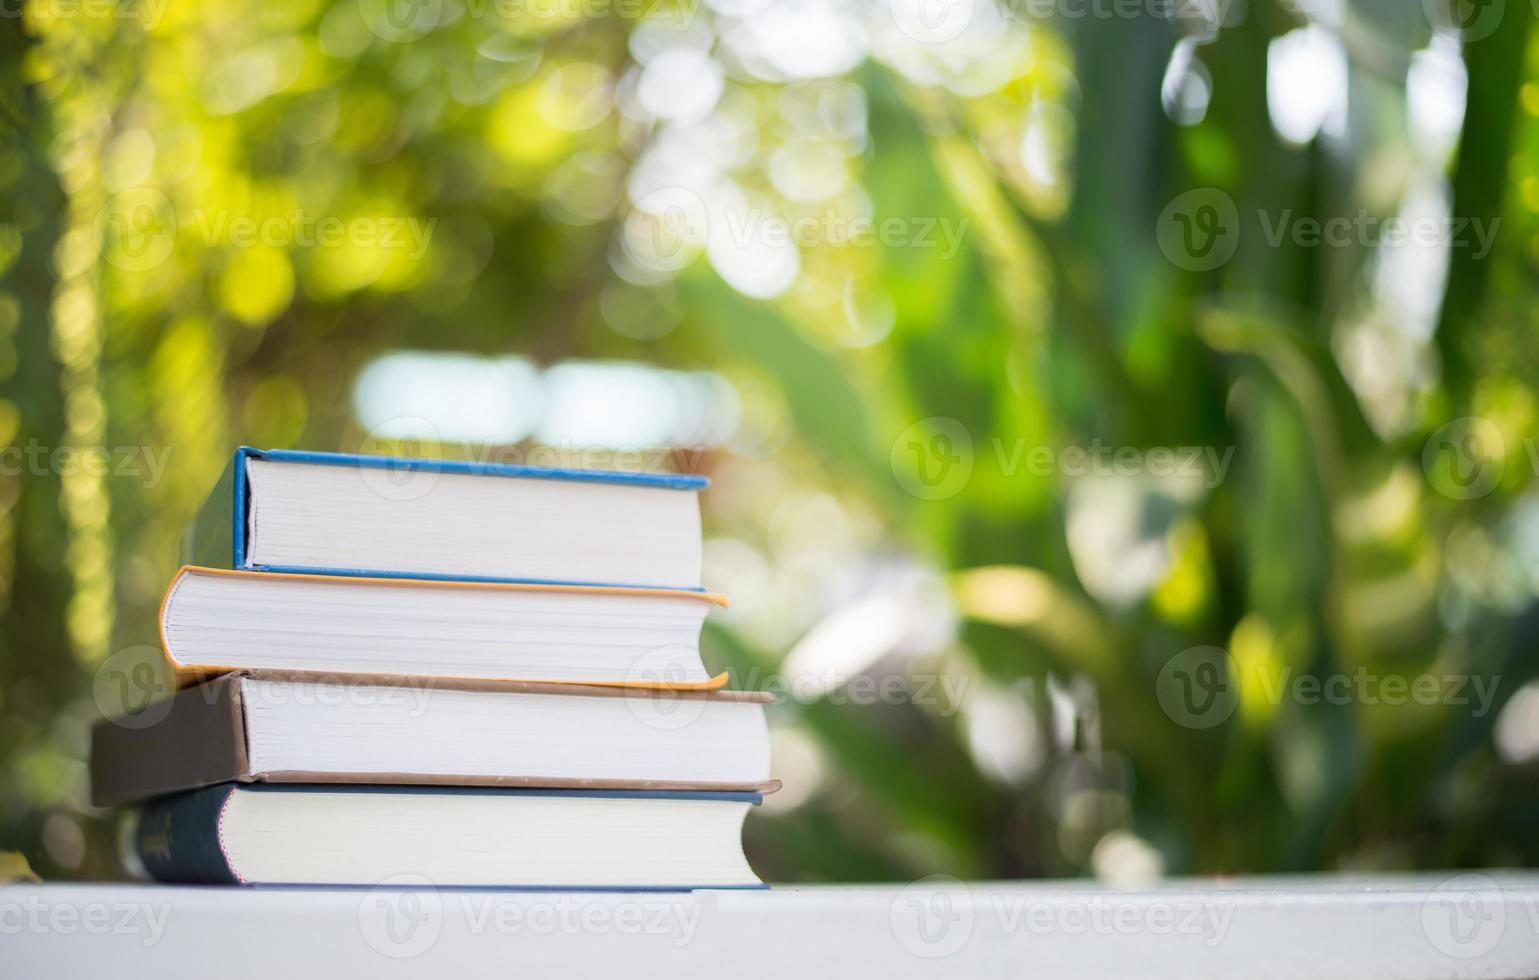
<point x="187" y="674"/>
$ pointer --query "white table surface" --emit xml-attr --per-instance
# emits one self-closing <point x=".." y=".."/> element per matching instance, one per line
<point x="1440" y="925"/>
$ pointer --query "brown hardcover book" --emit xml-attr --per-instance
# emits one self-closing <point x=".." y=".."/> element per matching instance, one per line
<point x="302" y="727"/>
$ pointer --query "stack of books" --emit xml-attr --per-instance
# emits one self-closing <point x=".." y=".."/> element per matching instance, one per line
<point x="463" y="674"/>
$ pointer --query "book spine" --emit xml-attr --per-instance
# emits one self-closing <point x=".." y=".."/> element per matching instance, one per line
<point x="210" y="541"/>
<point x="179" y="838"/>
<point x="195" y="738"/>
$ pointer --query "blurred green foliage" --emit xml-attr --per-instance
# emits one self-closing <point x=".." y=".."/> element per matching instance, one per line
<point x="168" y="173"/>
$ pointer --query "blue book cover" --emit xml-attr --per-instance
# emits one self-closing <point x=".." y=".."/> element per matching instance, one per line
<point x="182" y="838"/>
<point x="220" y="534"/>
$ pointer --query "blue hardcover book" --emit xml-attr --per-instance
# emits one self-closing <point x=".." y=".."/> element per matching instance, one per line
<point x="393" y="517"/>
<point x="448" y="837"/>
